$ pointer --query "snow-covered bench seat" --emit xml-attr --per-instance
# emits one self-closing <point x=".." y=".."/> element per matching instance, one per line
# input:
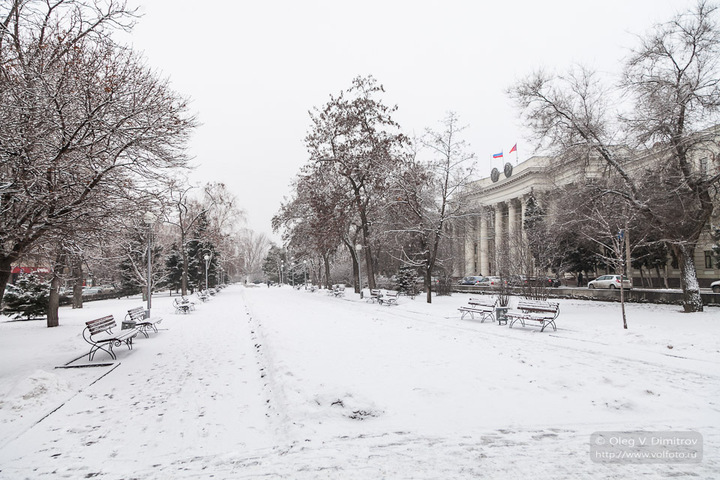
<point x="203" y="295"/>
<point x="485" y="307"/>
<point x="537" y="312"/>
<point x="136" y="317"/>
<point x="375" y="295"/>
<point x="98" y="333"/>
<point x="389" y="298"/>
<point x="183" y="305"/>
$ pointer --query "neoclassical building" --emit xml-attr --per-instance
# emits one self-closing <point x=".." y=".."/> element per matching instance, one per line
<point x="496" y="234"/>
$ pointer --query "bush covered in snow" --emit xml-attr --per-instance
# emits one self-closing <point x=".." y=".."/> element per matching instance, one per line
<point x="28" y="298"/>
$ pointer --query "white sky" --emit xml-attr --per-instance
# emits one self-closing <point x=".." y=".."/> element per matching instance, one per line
<point x="254" y="69"/>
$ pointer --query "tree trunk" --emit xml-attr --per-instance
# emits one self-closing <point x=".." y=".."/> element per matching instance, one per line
<point x="184" y="276"/>
<point x="692" y="301"/>
<point x="428" y="284"/>
<point x="77" y="275"/>
<point x="642" y="278"/>
<point x="355" y="268"/>
<point x="369" y="270"/>
<point x="53" y="316"/>
<point x="326" y="261"/>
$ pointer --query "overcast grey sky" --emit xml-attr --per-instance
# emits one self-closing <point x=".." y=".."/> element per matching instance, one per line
<point x="253" y="69"/>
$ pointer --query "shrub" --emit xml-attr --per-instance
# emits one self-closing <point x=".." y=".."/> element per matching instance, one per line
<point x="29" y="297"/>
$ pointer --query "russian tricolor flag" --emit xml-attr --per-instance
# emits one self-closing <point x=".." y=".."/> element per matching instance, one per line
<point x="498" y="155"/>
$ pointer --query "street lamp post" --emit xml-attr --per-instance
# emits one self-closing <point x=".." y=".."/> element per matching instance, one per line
<point x="282" y="273"/>
<point x="149" y="219"/>
<point x="358" y="249"/>
<point x="207" y="262"/>
<point x="305" y="272"/>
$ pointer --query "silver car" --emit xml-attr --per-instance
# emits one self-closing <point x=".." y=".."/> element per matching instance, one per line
<point x="611" y="282"/>
<point x="490" y="282"/>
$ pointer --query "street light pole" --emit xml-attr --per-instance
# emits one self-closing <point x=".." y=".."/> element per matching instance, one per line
<point x="207" y="261"/>
<point x="149" y="219"/>
<point x="358" y="249"/>
<point x="305" y="272"/>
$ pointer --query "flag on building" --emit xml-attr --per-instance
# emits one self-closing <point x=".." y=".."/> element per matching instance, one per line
<point x="497" y="155"/>
<point x="514" y="149"/>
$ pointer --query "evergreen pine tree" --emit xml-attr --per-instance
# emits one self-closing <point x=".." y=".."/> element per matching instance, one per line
<point x="29" y="298"/>
<point x="173" y="267"/>
<point x="405" y="281"/>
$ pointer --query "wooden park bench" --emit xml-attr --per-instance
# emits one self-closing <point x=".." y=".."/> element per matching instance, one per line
<point x="542" y="313"/>
<point x="485" y="307"/>
<point x="339" y="290"/>
<point x="136" y="317"/>
<point x="98" y="333"/>
<point x="183" y="305"/>
<point x="388" y="298"/>
<point x="203" y="296"/>
<point x="375" y="295"/>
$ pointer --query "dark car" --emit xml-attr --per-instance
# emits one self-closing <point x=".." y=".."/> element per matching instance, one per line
<point x="551" y="282"/>
<point x="525" y="281"/>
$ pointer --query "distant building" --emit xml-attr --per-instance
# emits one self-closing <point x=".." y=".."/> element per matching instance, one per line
<point x="501" y="202"/>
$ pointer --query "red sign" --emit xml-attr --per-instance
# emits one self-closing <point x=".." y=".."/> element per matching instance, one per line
<point x="30" y="270"/>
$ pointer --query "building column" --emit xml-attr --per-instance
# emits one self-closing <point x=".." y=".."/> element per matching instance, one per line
<point x="469" y="246"/>
<point x="512" y="237"/>
<point x="524" y="247"/>
<point x="499" y="238"/>
<point x="484" y="244"/>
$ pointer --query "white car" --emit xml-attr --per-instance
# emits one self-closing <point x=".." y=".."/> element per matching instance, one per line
<point x="490" y="282"/>
<point x="610" y="281"/>
<point x="715" y="286"/>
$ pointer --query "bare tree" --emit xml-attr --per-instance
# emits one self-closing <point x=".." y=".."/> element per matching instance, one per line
<point x="429" y="195"/>
<point x="184" y="214"/>
<point x="354" y="138"/>
<point x="82" y="119"/>
<point x="252" y="249"/>
<point x="673" y="80"/>
<point x="318" y="218"/>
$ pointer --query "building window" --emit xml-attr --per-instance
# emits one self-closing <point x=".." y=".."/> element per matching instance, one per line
<point x="709" y="259"/>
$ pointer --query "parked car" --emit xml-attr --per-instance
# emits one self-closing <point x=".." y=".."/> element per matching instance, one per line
<point x="610" y="281"/>
<point x="525" y="281"/>
<point x="551" y="282"/>
<point x="490" y="282"/>
<point x="474" y="280"/>
<point x="91" y="290"/>
<point x="715" y="286"/>
<point x="518" y="280"/>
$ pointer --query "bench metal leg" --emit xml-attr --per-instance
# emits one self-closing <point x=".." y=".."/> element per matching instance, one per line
<point x="101" y="346"/>
<point x="549" y="322"/>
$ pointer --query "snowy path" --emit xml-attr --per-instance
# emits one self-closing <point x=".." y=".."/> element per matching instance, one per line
<point x="278" y="383"/>
<point x="191" y="391"/>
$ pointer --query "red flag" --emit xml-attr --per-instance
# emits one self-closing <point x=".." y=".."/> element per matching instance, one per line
<point x="514" y="149"/>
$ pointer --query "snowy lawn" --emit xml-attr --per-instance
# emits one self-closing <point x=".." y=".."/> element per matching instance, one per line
<point x="278" y="383"/>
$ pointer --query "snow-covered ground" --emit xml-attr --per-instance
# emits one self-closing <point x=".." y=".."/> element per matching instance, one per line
<point x="279" y="383"/>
